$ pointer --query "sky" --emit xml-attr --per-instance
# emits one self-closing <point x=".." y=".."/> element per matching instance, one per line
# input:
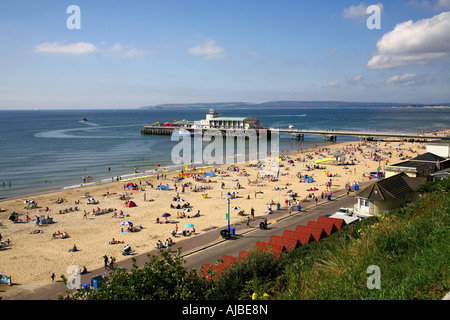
<point x="127" y="54"/>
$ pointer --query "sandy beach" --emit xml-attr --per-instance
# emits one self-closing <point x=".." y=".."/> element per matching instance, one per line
<point x="34" y="252"/>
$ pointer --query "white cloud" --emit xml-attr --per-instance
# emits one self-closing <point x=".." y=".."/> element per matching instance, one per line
<point x="126" y="51"/>
<point x="356" y="80"/>
<point x="334" y="50"/>
<point x="334" y="84"/>
<point x="118" y="49"/>
<point x="208" y="50"/>
<point x="435" y="5"/>
<point x="409" y="79"/>
<point x="359" y="12"/>
<point x="58" y="48"/>
<point x="413" y="43"/>
<point x="442" y="4"/>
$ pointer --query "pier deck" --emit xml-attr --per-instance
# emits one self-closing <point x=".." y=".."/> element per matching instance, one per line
<point x="299" y="133"/>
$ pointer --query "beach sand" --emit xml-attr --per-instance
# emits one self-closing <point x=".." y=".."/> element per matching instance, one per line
<point x="30" y="259"/>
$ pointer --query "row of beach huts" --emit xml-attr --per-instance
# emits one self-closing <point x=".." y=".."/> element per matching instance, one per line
<point x="314" y="231"/>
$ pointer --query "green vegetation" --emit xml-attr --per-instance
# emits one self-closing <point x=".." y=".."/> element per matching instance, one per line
<point x="410" y="246"/>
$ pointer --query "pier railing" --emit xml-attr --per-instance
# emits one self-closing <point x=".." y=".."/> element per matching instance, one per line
<point x="299" y="133"/>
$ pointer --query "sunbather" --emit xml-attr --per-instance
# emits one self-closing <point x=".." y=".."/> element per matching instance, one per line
<point x="114" y="241"/>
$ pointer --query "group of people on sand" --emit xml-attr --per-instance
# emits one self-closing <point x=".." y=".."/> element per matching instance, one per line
<point x="60" y="235"/>
<point x="182" y="215"/>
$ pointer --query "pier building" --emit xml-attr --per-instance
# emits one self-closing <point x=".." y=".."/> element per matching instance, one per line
<point x="215" y="120"/>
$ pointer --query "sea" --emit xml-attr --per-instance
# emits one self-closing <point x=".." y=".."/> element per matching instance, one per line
<point x="42" y="150"/>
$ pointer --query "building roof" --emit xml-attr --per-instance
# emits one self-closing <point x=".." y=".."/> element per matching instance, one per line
<point x="229" y="119"/>
<point x="442" y="142"/>
<point x="329" y="227"/>
<point x="420" y="163"/>
<point x="317" y="233"/>
<point x="411" y="166"/>
<point x="428" y="157"/>
<point x="390" y="188"/>
<point x="346" y="219"/>
<point x="302" y="237"/>
<point x="267" y="246"/>
<point x="288" y="243"/>
<point x="339" y="223"/>
<point x="441" y="173"/>
<point x="182" y="122"/>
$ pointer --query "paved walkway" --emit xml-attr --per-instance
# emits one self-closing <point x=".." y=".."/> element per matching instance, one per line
<point x="190" y="245"/>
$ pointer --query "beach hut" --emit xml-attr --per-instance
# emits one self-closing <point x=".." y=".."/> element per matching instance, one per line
<point x="339" y="223"/>
<point x="302" y="237"/>
<point x="328" y="227"/>
<point x="318" y="233"/>
<point x="288" y="243"/>
<point x="276" y="249"/>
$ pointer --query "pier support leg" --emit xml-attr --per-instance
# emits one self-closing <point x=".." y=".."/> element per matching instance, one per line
<point x="298" y="136"/>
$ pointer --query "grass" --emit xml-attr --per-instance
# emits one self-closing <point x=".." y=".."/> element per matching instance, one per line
<point x="409" y="246"/>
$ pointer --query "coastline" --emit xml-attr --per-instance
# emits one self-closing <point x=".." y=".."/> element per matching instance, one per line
<point x="32" y="258"/>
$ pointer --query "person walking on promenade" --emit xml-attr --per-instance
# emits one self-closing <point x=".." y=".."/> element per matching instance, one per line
<point x="105" y="260"/>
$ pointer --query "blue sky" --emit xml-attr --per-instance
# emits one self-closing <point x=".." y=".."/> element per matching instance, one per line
<point x="129" y="54"/>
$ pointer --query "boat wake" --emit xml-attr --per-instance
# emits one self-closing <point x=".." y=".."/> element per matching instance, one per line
<point x="89" y="123"/>
<point x="70" y="133"/>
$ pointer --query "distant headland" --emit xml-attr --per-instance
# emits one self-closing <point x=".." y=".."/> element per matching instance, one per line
<point x="294" y="104"/>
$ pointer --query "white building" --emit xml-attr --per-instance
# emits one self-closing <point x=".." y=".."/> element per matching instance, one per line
<point x="440" y="148"/>
<point x="217" y="121"/>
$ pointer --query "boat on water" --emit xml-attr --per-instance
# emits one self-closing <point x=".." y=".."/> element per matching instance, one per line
<point x="84" y="119"/>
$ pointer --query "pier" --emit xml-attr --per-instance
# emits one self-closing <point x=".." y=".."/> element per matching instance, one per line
<point x="248" y="125"/>
<point x="332" y="135"/>
<point x="299" y="134"/>
<point x="159" y="130"/>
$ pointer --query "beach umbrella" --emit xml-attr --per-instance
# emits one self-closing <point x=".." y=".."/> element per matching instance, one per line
<point x="187" y="210"/>
<point x="165" y="215"/>
<point x="126" y="223"/>
<point x="189" y="225"/>
<point x="236" y="208"/>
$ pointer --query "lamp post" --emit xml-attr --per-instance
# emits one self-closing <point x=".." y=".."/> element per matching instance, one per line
<point x="228" y="199"/>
